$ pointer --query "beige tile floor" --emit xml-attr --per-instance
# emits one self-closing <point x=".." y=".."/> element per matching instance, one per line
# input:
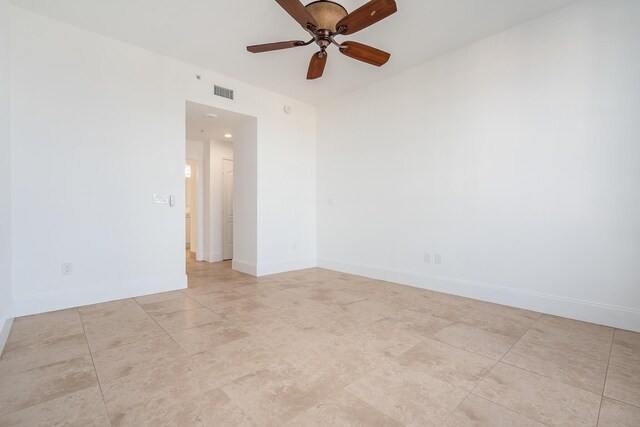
<point x="314" y="347"/>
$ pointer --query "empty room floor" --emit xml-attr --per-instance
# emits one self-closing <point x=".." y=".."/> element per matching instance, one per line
<point x="314" y="347"/>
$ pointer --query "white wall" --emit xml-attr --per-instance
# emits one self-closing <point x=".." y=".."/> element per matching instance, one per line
<point x="99" y="127"/>
<point x="292" y="237"/>
<point x="246" y="174"/>
<point x="516" y="158"/>
<point x="5" y="179"/>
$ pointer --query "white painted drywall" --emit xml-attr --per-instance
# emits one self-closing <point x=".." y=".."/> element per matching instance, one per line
<point x="292" y="235"/>
<point x="6" y="304"/>
<point x="516" y="158"/>
<point x="99" y="126"/>
<point x="247" y="174"/>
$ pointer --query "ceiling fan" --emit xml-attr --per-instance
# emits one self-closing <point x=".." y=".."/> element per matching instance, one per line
<point x="325" y="20"/>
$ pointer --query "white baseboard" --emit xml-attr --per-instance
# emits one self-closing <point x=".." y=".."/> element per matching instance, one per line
<point x="24" y="305"/>
<point x="273" y="268"/>
<point x="244" y="266"/>
<point x="214" y="257"/>
<point x="587" y="311"/>
<point x="4" y="332"/>
<point x="282" y="267"/>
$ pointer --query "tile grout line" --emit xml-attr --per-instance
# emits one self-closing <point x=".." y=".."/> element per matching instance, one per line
<point x="511" y="348"/>
<point x="573" y="320"/>
<point x="622" y="401"/>
<point x="129" y="343"/>
<point x="450" y="414"/>
<point x="161" y="301"/>
<point x="604" y="385"/>
<point x="134" y="342"/>
<point x="174" y="299"/>
<point x="500" y="361"/>
<point x="538" y="375"/>
<point x="212" y="310"/>
<point x="617" y="365"/>
<point x="582" y="355"/>
<point x="460" y="323"/>
<point x="65" y="360"/>
<point x="551" y="348"/>
<point x="95" y="371"/>
<point x="508" y="409"/>
<point x="469" y="393"/>
<point x="163" y="330"/>
<point x="488" y="373"/>
<point x="561" y="382"/>
<point x="550" y="378"/>
<point x="139" y="340"/>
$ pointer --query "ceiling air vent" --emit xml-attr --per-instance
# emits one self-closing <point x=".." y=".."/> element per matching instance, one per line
<point x="223" y="92"/>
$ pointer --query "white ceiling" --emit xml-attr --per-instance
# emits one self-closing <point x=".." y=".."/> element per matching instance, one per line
<point x="213" y="34"/>
<point x="202" y="128"/>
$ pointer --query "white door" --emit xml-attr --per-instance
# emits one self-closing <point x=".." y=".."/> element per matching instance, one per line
<point x="227" y="209"/>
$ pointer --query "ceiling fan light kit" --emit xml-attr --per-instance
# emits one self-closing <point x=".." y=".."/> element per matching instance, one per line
<point x="326" y="13"/>
<point x="325" y="20"/>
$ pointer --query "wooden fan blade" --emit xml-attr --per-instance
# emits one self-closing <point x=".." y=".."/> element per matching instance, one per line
<point x="316" y="66"/>
<point x="369" y="14"/>
<point x="365" y="53"/>
<point x="267" y="47"/>
<point x="298" y="12"/>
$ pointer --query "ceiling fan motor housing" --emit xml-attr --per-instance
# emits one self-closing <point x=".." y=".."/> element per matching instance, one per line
<point x="327" y="14"/>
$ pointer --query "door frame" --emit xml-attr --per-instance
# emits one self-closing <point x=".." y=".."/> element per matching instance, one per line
<point x="199" y="211"/>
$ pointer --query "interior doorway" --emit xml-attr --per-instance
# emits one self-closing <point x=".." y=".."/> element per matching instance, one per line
<point x="223" y="145"/>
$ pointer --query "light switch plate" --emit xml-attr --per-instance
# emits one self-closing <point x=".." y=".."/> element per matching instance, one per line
<point x="161" y="199"/>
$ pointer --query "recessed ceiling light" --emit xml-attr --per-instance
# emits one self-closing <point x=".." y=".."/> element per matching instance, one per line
<point x="228" y="135"/>
<point x="211" y="116"/>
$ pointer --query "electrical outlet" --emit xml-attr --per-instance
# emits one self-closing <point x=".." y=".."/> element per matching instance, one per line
<point x="294" y="246"/>
<point x="438" y="258"/>
<point x="427" y="257"/>
<point x="67" y="268"/>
